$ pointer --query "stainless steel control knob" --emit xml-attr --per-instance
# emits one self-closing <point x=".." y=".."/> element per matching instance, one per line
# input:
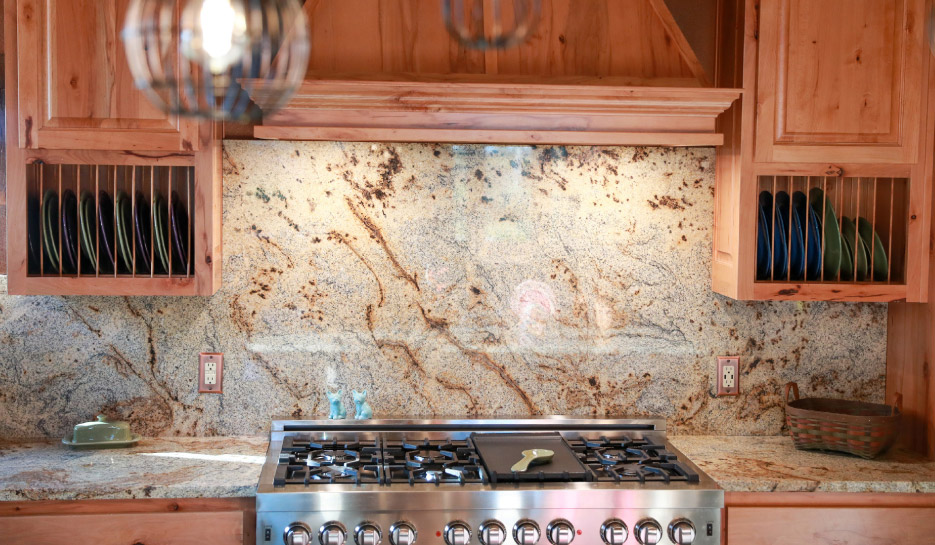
<point x="614" y="532"/>
<point x="332" y="533"/>
<point x="648" y="532"/>
<point x="526" y="532"/>
<point x="297" y="534"/>
<point x="682" y="532"/>
<point x="367" y="533"/>
<point x="402" y="533"/>
<point x="560" y="532"/>
<point x="492" y="532"/>
<point x="457" y="533"/>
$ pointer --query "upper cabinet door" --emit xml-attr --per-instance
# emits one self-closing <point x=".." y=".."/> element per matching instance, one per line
<point x="75" y="87"/>
<point x="840" y="80"/>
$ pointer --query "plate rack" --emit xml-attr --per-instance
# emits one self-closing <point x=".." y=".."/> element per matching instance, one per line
<point x="121" y="221"/>
<point x="133" y="247"/>
<point x="833" y="231"/>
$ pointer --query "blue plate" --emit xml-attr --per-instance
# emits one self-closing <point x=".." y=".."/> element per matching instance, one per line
<point x="807" y="217"/>
<point x="796" y="242"/>
<point x="775" y="240"/>
<point x="763" y="256"/>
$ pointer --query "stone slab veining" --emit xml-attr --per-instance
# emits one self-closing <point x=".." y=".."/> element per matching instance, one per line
<point x="773" y="464"/>
<point x="180" y="467"/>
<point x="441" y="279"/>
<point x="224" y="467"/>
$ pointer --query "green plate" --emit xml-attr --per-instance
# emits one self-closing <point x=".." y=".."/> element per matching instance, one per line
<point x="160" y="231"/>
<point x="847" y="260"/>
<point x="880" y="262"/>
<point x="849" y="231"/>
<point x="124" y="213"/>
<point x="49" y="231"/>
<point x="86" y="223"/>
<point x="831" y="233"/>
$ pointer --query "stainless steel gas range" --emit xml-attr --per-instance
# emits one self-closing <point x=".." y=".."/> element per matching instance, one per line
<point x="452" y="482"/>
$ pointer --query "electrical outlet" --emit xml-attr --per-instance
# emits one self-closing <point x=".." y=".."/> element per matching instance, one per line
<point x="210" y="373"/>
<point x="728" y="375"/>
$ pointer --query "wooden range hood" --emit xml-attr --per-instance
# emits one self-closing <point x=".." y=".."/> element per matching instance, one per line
<point x="596" y="72"/>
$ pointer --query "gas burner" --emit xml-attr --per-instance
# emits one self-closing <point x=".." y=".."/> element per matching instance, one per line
<point x="428" y="457"/>
<point x="352" y="473"/>
<point x="448" y="473"/>
<point x="317" y="458"/>
<point x="626" y="459"/>
<point x="433" y="461"/>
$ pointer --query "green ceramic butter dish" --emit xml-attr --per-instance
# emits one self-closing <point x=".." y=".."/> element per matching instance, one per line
<point x="102" y="433"/>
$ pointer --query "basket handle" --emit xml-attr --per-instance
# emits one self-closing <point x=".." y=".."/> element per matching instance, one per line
<point x="897" y="403"/>
<point x="794" y="388"/>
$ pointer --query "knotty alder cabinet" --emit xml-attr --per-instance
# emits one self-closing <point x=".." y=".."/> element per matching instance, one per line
<point x="824" y="181"/>
<point x="74" y="83"/>
<point x="828" y="518"/>
<point x="125" y="522"/>
<point x="106" y="194"/>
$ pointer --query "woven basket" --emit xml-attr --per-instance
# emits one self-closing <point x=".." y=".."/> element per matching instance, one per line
<point x="854" y="427"/>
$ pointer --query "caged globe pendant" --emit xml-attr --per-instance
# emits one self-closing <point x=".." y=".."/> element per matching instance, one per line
<point x="491" y="24"/>
<point x="200" y="58"/>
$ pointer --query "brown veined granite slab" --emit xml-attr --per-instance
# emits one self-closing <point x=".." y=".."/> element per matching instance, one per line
<point x="773" y="464"/>
<point x="170" y="467"/>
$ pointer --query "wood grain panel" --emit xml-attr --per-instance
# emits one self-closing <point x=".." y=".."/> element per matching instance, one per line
<point x="499" y="112"/>
<point x="910" y="346"/>
<point x="75" y="86"/>
<point x="598" y="38"/>
<point x="828" y="499"/>
<point x="840" y="80"/>
<point x="220" y="528"/>
<point x="377" y="36"/>
<point x="845" y="89"/>
<point x="3" y="148"/>
<point x="154" y="505"/>
<point x="829" y="526"/>
<point x="734" y="243"/>
<point x="595" y="38"/>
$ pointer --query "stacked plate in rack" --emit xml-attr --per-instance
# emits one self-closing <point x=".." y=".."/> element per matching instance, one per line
<point x="800" y="238"/>
<point x="120" y="234"/>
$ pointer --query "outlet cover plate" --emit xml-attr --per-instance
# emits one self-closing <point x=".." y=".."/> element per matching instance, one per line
<point x="728" y="375"/>
<point x="207" y="360"/>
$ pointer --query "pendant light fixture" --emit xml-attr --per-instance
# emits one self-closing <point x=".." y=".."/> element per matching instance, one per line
<point x="491" y="24"/>
<point x="200" y="58"/>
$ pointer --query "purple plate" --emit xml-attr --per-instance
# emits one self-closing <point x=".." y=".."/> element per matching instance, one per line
<point x="105" y="216"/>
<point x="143" y="232"/>
<point x="34" y="232"/>
<point x="180" y="234"/>
<point x="70" y="231"/>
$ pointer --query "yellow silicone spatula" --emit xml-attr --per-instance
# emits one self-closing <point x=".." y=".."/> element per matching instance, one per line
<point x="532" y="456"/>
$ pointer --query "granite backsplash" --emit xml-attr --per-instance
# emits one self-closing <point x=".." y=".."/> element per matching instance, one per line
<point x="442" y="279"/>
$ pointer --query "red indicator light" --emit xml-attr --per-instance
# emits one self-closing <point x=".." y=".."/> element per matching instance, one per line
<point x="438" y="534"/>
<point x="579" y="532"/>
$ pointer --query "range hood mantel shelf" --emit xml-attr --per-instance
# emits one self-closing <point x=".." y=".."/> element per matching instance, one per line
<point x="495" y="111"/>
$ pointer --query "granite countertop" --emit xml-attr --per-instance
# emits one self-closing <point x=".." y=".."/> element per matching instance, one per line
<point x="772" y="464"/>
<point x="218" y="467"/>
<point x="166" y="467"/>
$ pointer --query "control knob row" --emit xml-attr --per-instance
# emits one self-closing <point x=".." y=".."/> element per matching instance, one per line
<point x="492" y="532"/>
<point x="334" y="533"/>
<point x="648" y="532"/>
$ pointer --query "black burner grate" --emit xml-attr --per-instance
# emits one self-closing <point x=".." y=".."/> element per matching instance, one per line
<point x="307" y="460"/>
<point x="435" y="462"/>
<point x="625" y="459"/>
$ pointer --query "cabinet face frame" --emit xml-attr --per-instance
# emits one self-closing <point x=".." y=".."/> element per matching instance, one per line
<point x="739" y="165"/>
<point x="899" y="102"/>
<point x="43" y="89"/>
<point x="207" y="196"/>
